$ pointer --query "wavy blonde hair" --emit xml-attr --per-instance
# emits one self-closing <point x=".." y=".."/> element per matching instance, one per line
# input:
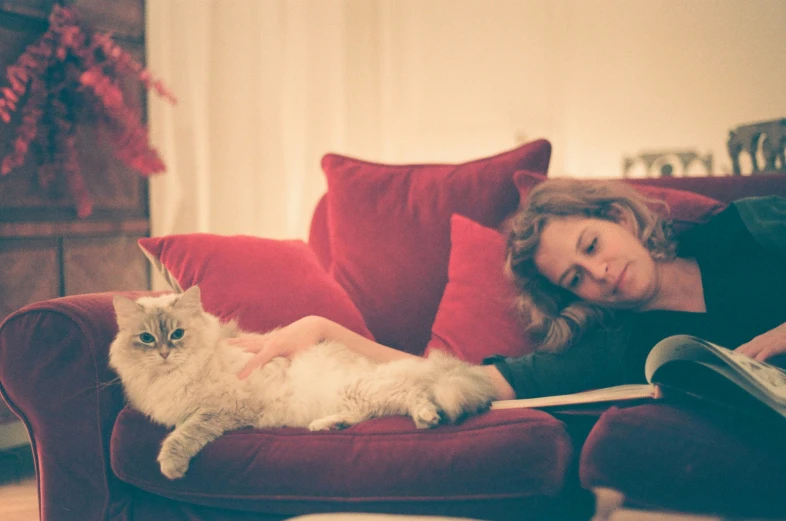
<point x="556" y="316"/>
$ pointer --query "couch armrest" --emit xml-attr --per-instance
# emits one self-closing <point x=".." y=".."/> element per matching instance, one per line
<point x="54" y="376"/>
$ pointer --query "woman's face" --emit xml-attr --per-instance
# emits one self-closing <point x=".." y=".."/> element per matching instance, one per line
<point x="600" y="261"/>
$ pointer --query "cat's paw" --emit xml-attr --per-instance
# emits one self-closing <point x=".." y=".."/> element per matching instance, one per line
<point x="173" y="467"/>
<point x="329" y="423"/>
<point x="426" y="416"/>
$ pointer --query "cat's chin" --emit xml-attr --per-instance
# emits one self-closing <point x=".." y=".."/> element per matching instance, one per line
<point x="164" y="366"/>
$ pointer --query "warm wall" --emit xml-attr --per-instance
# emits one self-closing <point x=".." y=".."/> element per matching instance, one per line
<point x="267" y="87"/>
<point x="667" y="74"/>
<point x="599" y="78"/>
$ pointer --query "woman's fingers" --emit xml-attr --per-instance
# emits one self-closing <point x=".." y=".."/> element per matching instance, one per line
<point x="766" y="345"/>
<point x="760" y="350"/>
<point x="249" y="343"/>
<point x="258" y="360"/>
<point x="769" y="352"/>
<point x="748" y="349"/>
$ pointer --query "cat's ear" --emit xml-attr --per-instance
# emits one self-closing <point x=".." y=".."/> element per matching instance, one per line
<point x="125" y="309"/>
<point x="191" y="300"/>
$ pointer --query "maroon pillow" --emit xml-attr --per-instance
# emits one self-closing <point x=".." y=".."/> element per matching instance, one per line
<point x="390" y="231"/>
<point x="476" y="317"/>
<point x="262" y="283"/>
<point x="686" y="209"/>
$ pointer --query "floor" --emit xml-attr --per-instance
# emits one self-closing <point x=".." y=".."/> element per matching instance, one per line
<point x="19" y="501"/>
<point x="18" y="491"/>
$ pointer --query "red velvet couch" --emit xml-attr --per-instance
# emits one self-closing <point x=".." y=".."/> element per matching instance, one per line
<point x="95" y="459"/>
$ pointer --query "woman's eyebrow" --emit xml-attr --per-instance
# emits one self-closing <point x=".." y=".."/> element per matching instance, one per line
<point x="580" y="239"/>
<point x="578" y="247"/>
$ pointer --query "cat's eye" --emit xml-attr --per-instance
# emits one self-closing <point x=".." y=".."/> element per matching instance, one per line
<point x="177" y="334"/>
<point x="147" y="338"/>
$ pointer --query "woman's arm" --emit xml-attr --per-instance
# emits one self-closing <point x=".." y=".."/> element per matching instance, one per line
<point x="304" y="333"/>
<point x="307" y="331"/>
<point x="504" y="389"/>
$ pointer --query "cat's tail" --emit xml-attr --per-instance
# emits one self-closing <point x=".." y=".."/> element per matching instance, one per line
<point x="459" y="388"/>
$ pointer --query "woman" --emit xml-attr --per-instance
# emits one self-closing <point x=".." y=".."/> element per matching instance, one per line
<point x="602" y="281"/>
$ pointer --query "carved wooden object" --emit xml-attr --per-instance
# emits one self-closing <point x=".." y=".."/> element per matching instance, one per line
<point x="667" y="163"/>
<point x="769" y="137"/>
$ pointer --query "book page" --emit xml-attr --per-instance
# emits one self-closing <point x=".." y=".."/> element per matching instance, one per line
<point x="772" y="378"/>
<point x="745" y="371"/>
<point x="677" y="347"/>
<point x="714" y="382"/>
<point x="608" y="394"/>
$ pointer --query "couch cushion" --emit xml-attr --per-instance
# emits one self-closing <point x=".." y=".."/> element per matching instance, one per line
<point x="390" y="231"/>
<point x="385" y="464"/>
<point x="262" y="283"/>
<point x="476" y="316"/>
<point x="688" y="458"/>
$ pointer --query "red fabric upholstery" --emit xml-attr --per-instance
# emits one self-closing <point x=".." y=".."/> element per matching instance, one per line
<point x="725" y="189"/>
<point x="262" y="283"/>
<point x="685" y="208"/>
<point x="54" y="375"/>
<point x="390" y="231"/>
<point x="384" y="464"/>
<point x="476" y="317"/>
<point x="688" y="458"/>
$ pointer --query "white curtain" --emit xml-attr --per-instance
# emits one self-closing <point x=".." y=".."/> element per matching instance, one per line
<point x="266" y="87"/>
<point x="262" y="89"/>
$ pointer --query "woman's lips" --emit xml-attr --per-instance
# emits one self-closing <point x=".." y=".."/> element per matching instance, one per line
<point x="620" y="279"/>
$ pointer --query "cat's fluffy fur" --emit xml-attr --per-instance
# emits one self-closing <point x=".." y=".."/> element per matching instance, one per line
<point x="176" y="367"/>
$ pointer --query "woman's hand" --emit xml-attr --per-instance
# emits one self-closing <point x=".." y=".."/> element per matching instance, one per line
<point x="768" y="344"/>
<point x="286" y="342"/>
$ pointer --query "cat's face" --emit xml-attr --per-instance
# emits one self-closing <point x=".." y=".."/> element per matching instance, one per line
<point x="159" y="333"/>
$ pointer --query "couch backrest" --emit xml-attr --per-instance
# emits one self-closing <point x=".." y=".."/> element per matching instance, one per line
<point x="721" y="188"/>
<point x="724" y="188"/>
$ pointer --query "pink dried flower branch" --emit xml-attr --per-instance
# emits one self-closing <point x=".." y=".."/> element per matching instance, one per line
<point x="68" y="63"/>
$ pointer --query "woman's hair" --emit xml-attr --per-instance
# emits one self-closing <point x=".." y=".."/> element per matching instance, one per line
<point x="557" y="317"/>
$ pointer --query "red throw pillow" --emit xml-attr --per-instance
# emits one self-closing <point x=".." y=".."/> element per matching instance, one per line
<point x="390" y="231"/>
<point x="686" y="209"/>
<point x="476" y="317"/>
<point x="262" y="283"/>
<point x="526" y="181"/>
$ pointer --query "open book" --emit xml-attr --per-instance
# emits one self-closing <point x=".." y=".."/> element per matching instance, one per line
<point x="686" y="365"/>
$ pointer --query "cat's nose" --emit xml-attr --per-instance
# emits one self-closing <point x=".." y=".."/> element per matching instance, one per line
<point x="164" y="354"/>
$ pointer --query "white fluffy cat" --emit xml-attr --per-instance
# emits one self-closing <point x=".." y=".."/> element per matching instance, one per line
<point x="175" y="367"/>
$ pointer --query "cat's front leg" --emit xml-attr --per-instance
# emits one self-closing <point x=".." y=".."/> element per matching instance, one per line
<point x="189" y="438"/>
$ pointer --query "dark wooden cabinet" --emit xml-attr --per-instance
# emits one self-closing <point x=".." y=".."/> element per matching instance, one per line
<point x="46" y="251"/>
